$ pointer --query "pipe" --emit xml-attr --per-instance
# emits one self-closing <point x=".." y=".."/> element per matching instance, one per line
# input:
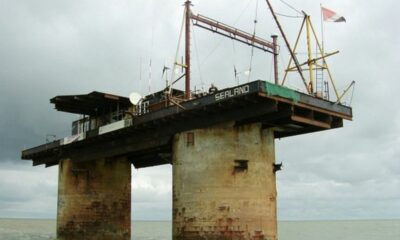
<point x="187" y="48"/>
<point x="275" y="49"/>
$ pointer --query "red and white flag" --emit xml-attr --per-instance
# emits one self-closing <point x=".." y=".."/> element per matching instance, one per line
<point x="331" y="16"/>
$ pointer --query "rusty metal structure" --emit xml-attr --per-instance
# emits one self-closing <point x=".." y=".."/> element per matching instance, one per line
<point x="220" y="144"/>
<point x="231" y="32"/>
<point x="187" y="48"/>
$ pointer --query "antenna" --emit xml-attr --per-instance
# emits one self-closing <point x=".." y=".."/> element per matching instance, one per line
<point x="150" y="76"/>
<point x="164" y="73"/>
<point x="135" y="98"/>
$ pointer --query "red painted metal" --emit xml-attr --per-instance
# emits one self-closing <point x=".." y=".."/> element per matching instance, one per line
<point x="187" y="49"/>
<point x="233" y="33"/>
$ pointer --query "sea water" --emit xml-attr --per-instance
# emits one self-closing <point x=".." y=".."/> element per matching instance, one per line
<point x="32" y="229"/>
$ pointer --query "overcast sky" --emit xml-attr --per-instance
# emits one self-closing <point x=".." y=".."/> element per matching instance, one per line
<point x="49" y="48"/>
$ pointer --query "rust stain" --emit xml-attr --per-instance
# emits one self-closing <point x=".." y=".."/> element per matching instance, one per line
<point x="212" y="201"/>
<point x="94" y="200"/>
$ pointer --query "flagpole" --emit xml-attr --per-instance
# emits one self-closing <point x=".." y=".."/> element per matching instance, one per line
<point x="323" y="51"/>
<point x="322" y="29"/>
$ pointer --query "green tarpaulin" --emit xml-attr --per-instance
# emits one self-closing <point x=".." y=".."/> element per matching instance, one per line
<point x="276" y="90"/>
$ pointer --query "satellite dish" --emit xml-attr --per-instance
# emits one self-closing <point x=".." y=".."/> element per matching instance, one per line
<point x="135" y="98"/>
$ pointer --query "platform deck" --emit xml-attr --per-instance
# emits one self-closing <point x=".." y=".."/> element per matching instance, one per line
<point x="146" y="139"/>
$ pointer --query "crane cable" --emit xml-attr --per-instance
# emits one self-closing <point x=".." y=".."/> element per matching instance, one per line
<point x="202" y="83"/>
<point x="289" y="16"/>
<point x="235" y="72"/>
<point x="252" y="48"/>
<point x="291" y="7"/>
<point x="151" y="52"/>
<point x="177" y="52"/>
<point x="352" y="94"/>
<point x="220" y="41"/>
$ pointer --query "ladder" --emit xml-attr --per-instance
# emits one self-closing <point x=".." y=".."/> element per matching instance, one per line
<point x="326" y="90"/>
<point x="319" y="83"/>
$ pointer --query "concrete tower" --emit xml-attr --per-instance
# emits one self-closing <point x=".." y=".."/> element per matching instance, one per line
<point x="94" y="199"/>
<point x="224" y="183"/>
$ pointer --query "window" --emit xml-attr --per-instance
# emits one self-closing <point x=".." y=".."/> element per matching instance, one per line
<point x="241" y="165"/>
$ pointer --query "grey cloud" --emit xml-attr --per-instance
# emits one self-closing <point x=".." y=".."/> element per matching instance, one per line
<point x="27" y="191"/>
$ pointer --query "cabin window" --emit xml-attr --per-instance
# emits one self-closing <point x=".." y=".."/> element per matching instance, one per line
<point x="143" y="107"/>
<point x="190" y="139"/>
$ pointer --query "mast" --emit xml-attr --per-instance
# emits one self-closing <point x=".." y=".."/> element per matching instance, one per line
<point x="309" y="50"/>
<point x="188" y="3"/>
<point x="325" y="88"/>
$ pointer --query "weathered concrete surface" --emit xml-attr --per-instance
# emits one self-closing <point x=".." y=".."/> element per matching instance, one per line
<point x="94" y="199"/>
<point x="214" y="200"/>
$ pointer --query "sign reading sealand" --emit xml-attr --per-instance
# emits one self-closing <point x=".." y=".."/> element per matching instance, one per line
<point x="233" y="92"/>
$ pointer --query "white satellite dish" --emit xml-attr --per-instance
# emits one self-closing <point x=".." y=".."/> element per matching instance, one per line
<point x="135" y="98"/>
<point x="247" y="72"/>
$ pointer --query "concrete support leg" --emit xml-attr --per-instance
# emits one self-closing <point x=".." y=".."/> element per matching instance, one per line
<point x="94" y="199"/>
<point x="224" y="184"/>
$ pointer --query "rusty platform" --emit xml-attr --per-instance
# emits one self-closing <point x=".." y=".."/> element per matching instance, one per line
<point x="146" y="139"/>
